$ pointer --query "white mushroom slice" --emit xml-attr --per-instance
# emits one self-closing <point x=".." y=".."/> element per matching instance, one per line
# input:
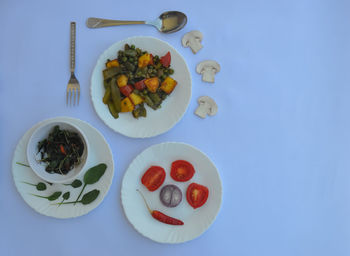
<point x="193" y="40"/>
<point x="208" y="69"/>
<point x="207" y="106"/>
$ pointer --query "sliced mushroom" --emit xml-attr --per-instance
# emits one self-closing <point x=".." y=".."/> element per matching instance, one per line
<point x="193" y="40"/>
<point x="208" y="69"/>
<point x="207" y="106"/>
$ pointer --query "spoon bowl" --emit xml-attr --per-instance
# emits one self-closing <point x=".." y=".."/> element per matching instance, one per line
<point x="167" y="22"/>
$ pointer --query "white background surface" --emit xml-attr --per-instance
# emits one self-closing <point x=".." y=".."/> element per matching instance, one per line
<point x="280" y="140"/>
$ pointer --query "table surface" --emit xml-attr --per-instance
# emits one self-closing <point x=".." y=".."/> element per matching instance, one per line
<point x="280" y="140"/>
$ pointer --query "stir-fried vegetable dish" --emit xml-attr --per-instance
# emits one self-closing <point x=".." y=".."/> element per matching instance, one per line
<point x="136" y="78"/>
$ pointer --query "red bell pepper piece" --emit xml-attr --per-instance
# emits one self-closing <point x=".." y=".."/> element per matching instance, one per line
<point x="126" y="90"/>
<point x="165" y="60"/>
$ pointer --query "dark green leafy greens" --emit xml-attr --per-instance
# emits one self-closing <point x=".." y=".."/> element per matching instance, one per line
<point x="75" y="184"/>
<point x="40" y="186"/>
<point x="61" y="151"/>
<point x="52" y="197"/>
<point x="87" y="198"/>
<point x="92" y="176"/>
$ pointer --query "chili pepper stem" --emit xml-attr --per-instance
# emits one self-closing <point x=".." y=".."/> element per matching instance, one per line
<point x="144" y="199"/>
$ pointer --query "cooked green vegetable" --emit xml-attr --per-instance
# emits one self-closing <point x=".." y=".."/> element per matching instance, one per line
<point x="61" y="150"/>
<point x="115" y="95"/>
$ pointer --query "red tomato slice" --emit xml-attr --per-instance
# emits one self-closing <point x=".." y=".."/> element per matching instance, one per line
<point x="165" y="60"/>
<point x="126" y="90"/>
<point x="153" y="178"/>
<point x="181" y="170"/>
<point x="197" y="195"/>
<point x="140" y="85"/>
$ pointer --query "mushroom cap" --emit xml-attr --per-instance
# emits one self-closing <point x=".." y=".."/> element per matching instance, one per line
<point x="201" y="66"/>
<point x="212" y="107"/>
<point x="192" y="34"/>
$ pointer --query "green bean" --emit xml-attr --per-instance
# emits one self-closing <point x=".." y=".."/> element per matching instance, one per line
<point x="107" y="95"/>
<point x="115" y="95"/>
<point x="155" y="98"/>
<point x="149" y="102"/>
<point x="110" y="72"/>
<point x="112" y="109"/>
<point x="132" y="46"/>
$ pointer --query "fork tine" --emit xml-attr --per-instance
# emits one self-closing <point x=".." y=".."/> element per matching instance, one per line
<point x="78" y="95"/>
<point x="75" y="92"/>
<point x="67" y="97"/>
<point x="70" y="97"/>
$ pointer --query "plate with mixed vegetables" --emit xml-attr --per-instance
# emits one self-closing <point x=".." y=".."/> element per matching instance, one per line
<point x="171" y="192"/>
<point x="141" y="87"/>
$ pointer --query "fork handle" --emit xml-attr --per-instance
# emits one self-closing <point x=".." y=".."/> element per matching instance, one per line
<point x="99" y="23"/>
<point x="72" y="47"/>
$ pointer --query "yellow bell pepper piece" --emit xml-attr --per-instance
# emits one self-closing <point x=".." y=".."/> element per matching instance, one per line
<point x="168" y="85"/>
<point x="126" y="105"/>
<point x="122" y="80"/>
<point x="136" y="99"/>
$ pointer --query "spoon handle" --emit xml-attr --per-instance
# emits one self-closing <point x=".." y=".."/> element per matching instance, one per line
<point x="99" y="23"/>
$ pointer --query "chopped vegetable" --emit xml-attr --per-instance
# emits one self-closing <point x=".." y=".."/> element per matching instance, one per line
<point x="140" y="85"/>
<point x="126" y="90"/>
<point x="152" y="84"/>
<point x="161" y="216"/>
<point x="182" y="170"/>
<point x="122" y="80"/>
<point x="170" y="196"/>
<point x="136" y="99"/>
<point x="168" y="85"/>
<point x="127" y="105"/>
<point x="166" y="59"/>
<point x="153" y="178"/>
<point x="112" y="63"/>
<point x="197" y="195"/>
<point x="145" y="60"/>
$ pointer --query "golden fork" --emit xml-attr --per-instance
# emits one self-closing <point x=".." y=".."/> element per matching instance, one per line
<point x="73" y="87"/>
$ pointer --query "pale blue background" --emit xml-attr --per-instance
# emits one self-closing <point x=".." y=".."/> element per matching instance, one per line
<point x="281" y="138"/>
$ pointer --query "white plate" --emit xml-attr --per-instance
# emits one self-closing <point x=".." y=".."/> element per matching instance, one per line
<point x="195" y="221"/>
<point x="99" y="153"/>
<point x="157" y="121"/>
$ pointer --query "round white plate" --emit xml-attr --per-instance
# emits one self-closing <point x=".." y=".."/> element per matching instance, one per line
<point x="100" y="152"/>
<point x="157" y="121"/>
<point x="196" y="221"/>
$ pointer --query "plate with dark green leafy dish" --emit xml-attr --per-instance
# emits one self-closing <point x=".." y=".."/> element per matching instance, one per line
<point x="141" y="87"/>
<point x="69" y="199"/>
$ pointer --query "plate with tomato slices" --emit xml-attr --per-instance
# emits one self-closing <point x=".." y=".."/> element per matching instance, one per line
<point x="171" y="192"/>
<point x="149" y="87"/>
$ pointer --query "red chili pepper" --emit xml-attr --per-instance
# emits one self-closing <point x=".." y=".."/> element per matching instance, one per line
<point x="62" y="149"/>
<point x="161" y="216"/>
